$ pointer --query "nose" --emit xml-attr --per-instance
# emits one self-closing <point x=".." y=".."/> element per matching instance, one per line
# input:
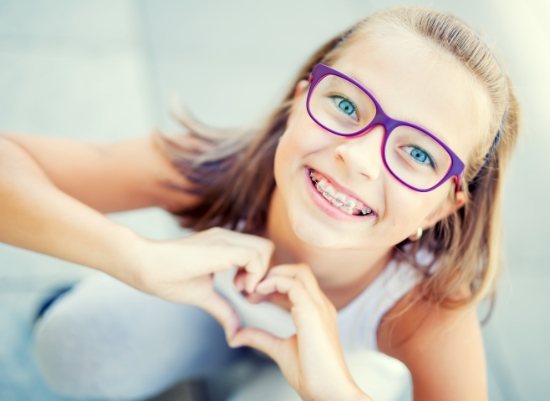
<point x="363" y="154"/>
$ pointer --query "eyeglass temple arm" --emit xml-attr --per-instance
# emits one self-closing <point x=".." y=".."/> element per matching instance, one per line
<point x="458" y="187"/>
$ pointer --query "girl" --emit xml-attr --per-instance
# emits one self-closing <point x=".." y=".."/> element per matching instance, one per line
<point x="363" y="214"/>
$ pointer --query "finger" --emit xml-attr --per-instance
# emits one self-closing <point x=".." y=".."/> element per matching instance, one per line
<point x="264" y="246"/>
<point x="251" y="257"/>
<point x="223" y="312"/>
<point x="250" y="270"/>
<point x="260" y="340"/>
<point x="305" y="311"/>
<point x="262" y="251"/>
<point x="302" y="273"/>
<point x="256" y="298"/>
<point x="294" y="289"/>
<point x="239" y="279"/>
<point x="239" y="283"/>
<point x="281" y="300"/>
<point x="255" y="272"/>
<point x="229" y="257"/>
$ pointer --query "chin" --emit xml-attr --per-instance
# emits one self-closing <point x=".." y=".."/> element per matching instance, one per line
<point x="314" y="238"/>
<point x="318" y="236"/>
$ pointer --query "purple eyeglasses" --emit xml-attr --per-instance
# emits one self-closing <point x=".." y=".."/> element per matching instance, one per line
<point x="414" y="156"/>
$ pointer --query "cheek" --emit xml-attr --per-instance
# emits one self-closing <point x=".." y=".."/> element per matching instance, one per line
<point x="287" y="158"/>
<point x="407" y="210"/>
<point x="403" y="208"/>
<point x="300" y="139"/>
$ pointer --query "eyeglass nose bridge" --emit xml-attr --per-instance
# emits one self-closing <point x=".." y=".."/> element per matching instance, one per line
<point x="382" y="119"/>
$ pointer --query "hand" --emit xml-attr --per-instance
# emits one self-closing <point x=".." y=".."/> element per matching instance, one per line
<point x="312" y="360"/>
<point x="183" y="270"/>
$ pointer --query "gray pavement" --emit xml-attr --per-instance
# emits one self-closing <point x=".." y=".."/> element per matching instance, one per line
<point x="103" y="70"/>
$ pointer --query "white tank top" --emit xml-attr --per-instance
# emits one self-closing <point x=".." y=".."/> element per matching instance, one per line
<point x="357" y="322"/>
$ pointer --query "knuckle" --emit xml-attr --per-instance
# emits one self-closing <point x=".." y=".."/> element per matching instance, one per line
<point x="268" y="244"/>
<point x="254" y="260"/>
<point x="302" y="274"/>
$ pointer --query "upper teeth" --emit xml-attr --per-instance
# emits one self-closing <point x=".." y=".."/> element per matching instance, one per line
<point x="339" y="199"/>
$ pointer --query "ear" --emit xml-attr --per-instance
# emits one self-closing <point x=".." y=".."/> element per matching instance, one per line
<point x="300" y="88"/>
<point x="448" y="207"/>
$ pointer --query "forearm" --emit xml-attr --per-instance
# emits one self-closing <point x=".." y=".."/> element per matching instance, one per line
<point x="36" y="215"/>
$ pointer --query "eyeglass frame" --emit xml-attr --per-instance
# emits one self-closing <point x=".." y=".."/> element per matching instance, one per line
<point x="456" y="168"/>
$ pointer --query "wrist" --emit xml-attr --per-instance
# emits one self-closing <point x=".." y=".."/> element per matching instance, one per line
<point x="124" y="265"/>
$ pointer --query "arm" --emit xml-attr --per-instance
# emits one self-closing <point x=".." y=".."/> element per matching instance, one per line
<point x="52" y="193"/>
<point x="312" y="360"/>
<point x="108" y="177"/>
<point x="442" y="348"/>
<point x="48" y="188"/>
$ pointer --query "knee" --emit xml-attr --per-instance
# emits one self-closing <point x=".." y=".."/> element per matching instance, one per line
<point x="75" y="362"/>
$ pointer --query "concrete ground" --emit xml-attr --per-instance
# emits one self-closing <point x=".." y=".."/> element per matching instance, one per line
<point x="103" y="70"/>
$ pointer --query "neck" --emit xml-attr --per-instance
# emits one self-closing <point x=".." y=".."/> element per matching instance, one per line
<point x="341" y="273"/>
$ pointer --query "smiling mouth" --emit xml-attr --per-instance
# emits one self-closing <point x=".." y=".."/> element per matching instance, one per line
<point x="339" y="200"/>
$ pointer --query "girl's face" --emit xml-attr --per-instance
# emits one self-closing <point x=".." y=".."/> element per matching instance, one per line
<point x="414" y="81"/>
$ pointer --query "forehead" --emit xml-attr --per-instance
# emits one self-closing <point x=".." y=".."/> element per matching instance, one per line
<point x="417" y="82"/>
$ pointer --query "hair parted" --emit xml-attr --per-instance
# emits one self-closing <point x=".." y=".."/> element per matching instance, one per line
<point x="232" y="169"/>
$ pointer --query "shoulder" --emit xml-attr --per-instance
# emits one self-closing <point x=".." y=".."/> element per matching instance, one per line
<point x="442" y="348"/>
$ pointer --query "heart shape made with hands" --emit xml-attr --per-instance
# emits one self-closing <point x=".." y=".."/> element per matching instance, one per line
<point x="267" y="312"/>
<point x="275" y="298"/>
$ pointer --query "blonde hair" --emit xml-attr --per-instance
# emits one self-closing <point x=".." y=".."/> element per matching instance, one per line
<point x="232" y="170"/>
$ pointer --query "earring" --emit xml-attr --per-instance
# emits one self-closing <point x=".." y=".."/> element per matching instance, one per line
<point x="417" y="235"/>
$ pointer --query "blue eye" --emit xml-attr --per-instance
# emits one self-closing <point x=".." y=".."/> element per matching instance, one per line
<point x="345" y="105"/>
<point x="419" y="155"/>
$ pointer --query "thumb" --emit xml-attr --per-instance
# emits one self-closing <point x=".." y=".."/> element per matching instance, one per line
<point x="260" y="340"/>
<point x="223" y="312"/>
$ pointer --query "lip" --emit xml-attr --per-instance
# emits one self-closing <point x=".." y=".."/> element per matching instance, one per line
<point x="332" y="211"/>
<point x="340" y="188"/>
